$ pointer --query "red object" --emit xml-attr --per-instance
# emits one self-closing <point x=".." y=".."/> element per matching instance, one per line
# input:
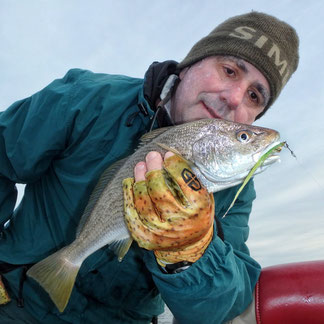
<point x="291" y="294"/>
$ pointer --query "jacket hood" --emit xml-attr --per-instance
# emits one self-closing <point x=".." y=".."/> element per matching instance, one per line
<point x="155" y="78"/>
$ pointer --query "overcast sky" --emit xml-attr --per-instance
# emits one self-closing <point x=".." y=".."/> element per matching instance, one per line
<point x="41" y="40"/>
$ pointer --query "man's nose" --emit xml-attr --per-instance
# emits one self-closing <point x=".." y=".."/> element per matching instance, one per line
<point x="233" y="97"/>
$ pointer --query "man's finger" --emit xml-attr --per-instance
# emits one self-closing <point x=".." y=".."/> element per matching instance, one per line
<point x="168" y="154"/>
<point x="139" y="171"/>
<point x="154" y="161"/>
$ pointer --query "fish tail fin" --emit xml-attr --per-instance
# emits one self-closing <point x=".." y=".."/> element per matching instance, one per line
<point x="56" y="274"/>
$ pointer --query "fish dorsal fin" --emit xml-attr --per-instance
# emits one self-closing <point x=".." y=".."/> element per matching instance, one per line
<point x="148" y="137"/>
<point x="175" y="151"/>
<point x="104" y="179"/>
<point x="168" y="148"/>
<point x="121" y="247"/>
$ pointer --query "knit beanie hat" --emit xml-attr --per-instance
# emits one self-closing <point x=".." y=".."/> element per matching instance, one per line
<point x="266" y="42"/>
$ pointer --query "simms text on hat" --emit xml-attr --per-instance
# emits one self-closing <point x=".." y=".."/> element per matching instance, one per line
<point x="266" y="42"/>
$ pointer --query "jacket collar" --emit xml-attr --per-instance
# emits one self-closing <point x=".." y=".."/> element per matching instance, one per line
<point x="158" y="82"/>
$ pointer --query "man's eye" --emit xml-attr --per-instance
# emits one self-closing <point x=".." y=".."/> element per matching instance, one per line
<point x="229" y="71"/>
<point x="254" y="97"/>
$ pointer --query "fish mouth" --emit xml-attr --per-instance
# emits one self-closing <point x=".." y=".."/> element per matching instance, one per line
<point x="274" y="157"/>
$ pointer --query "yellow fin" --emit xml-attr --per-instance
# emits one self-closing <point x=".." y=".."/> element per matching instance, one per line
<point x="121" y="247"/>
<point x="57" y="276"/>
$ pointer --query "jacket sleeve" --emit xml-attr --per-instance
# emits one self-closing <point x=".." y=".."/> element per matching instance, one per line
<point x="219" y="286"/>
<point x="32" y="133"/>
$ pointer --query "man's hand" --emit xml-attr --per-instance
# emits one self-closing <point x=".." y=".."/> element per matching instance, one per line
<point x="167" y="210"/>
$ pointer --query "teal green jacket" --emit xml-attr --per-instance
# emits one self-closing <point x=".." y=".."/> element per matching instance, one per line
<point x="58" y="142"/>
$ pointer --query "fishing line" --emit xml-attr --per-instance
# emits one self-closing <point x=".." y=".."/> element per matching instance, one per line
<point x="304" y="168"/>
<point x="291" y="151"/>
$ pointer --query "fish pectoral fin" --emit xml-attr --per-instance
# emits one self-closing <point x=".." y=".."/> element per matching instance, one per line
<point x="57" y="276"/>
<point x="121" y="247"/>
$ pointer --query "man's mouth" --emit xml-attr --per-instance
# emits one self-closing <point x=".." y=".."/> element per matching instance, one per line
<point x="211" y="111"/>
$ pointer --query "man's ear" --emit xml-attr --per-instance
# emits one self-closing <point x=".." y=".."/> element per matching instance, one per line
<point x="183" y="72"/>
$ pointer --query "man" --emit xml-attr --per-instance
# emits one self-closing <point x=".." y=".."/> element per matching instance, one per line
<point x="61" y="139"/>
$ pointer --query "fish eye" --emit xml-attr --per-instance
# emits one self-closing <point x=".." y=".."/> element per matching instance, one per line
<point x="244" y="136"/>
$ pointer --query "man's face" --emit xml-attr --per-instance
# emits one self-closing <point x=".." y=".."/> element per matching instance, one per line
<point x="220" y="87"/>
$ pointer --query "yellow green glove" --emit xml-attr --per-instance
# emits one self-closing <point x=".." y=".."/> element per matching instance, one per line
<point x="4" y="297"/>
<point x="170" y="213"/>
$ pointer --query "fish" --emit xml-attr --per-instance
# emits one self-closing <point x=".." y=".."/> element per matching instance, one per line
<point x="221" y="153"/>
